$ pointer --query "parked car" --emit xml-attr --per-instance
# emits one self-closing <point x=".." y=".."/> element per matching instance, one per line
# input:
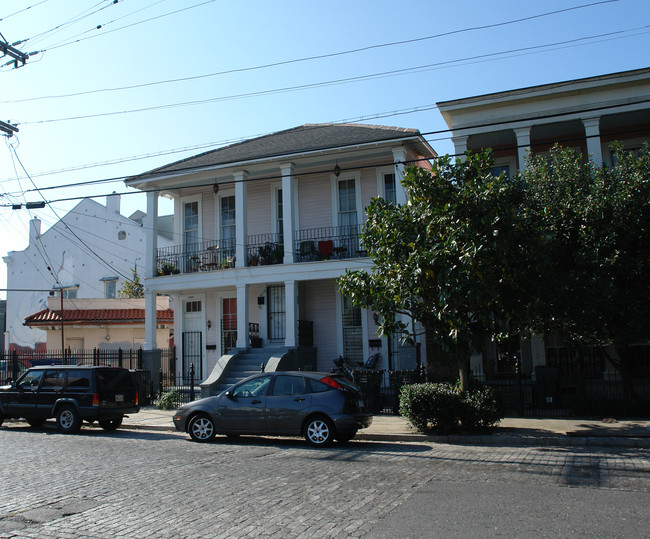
<point x="71" y="394"/>
<point x="321" y="407"/>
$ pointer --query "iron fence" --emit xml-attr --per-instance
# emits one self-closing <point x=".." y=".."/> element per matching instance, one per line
<point x="14" y="364"/>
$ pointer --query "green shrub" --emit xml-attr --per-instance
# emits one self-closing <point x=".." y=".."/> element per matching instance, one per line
<point x="445" y="408"/>
<point x="169" y="400"/>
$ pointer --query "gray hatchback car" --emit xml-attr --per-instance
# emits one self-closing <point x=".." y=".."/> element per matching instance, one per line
<point x="321" y="407"/>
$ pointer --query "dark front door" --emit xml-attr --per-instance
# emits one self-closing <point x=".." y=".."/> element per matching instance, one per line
<point x="277" y="313"/>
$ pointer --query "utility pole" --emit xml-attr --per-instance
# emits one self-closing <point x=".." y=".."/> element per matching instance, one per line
<point x="18" y="59"/>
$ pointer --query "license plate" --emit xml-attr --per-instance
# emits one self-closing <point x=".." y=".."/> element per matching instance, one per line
<point x="119" y="398"/>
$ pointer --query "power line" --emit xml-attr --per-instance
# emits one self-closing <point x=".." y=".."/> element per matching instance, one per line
<point x="22" y="10"/>
<point x="423" y="134"/>
<point x="65" y="224"/>
<point x="346" y="80"/>
<point x="314" y="57"/>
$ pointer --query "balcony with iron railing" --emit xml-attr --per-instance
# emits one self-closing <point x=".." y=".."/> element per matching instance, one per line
<point x="195" y="257"/>
<point x="310" y="245"/>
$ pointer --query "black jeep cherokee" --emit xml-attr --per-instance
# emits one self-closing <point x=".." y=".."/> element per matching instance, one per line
<point x="71" y="394"/>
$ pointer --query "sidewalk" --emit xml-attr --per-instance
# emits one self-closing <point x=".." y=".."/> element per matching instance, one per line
<point x="511" y="431"/>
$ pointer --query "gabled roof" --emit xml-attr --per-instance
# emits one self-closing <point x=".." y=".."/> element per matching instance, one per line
<point x="303" y="139"/>
<point x="93" y="317"/>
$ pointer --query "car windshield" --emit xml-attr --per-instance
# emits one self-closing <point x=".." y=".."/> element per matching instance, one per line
<point x="30" y="379"/>
<point x="256" y="387"/>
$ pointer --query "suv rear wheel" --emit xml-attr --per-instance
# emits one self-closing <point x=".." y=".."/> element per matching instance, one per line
<point x="68" y="419"/>
<point x="110" y="424"/>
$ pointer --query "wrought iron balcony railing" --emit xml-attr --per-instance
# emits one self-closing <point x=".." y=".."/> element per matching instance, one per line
<point x="194" y="257"/>
<point x="334" y="242"/>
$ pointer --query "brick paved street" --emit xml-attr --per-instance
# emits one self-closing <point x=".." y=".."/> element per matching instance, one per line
<point x="156" y="484"/>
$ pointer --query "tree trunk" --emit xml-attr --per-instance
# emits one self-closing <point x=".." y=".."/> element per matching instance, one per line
<point x="462" y="358"/>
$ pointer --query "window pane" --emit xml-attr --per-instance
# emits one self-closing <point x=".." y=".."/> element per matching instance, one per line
<point x="390" y="194"/>
<point x="191" y="222"/>
<point x="289" y="385"/>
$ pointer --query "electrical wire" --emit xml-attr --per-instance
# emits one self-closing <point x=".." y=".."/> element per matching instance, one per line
<point x="22" y="10"/>
<point x="66" y="225"/>
<point x="346" y="80"/>
<point x="309" y="58"/>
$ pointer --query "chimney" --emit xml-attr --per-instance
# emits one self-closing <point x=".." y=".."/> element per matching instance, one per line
<point x="34" y="230"/>
<point x="113" y="203"/>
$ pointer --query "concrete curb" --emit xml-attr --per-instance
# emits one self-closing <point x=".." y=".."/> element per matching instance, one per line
<point x="467" y="439"/>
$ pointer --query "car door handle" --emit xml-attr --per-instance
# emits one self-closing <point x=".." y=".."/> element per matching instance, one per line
<point x="298" y="399"/>
<point x="255" y="401"/>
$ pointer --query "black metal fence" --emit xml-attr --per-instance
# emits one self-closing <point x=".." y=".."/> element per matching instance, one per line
<point x="177" y="388"/>
<point x="14" y="364"/>
<point x="551" y="394"/>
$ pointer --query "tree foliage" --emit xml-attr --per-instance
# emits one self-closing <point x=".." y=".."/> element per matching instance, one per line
<point x="132" y="288"/>
<point x="596" y="283"/>
<point x="455" y="257"/>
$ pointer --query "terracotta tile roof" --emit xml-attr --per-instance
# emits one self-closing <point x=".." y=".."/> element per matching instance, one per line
<point x="96" y="316"/>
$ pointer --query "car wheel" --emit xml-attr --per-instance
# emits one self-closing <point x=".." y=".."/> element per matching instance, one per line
<point x="110" y="424"/>
<point x="68" y="419"/>
<point x="201" y="428"/>
<point x="319" y="431"/>
<point x="36" y="421"/>
<point x="344" y="438"/>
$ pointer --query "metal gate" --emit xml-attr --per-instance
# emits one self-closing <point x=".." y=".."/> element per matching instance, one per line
<point x="192" y="353"/>
<point x="277" y="313"/>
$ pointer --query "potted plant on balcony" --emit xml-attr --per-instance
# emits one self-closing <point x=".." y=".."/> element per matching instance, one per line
<point x="167" y="268"/>
<point x="253" y="260"/>
<point x="266" y="253"/>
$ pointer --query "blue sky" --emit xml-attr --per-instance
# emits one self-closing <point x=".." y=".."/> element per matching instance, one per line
<point x="216" y="42"/>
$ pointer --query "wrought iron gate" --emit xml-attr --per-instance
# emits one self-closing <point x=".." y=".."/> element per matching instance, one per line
<point x="277" y="313"/>
<point x="192" y="353"/>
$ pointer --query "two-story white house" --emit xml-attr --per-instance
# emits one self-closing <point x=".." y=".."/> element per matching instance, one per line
<point x="263" y="228"/>
<point x="585" y="114"/>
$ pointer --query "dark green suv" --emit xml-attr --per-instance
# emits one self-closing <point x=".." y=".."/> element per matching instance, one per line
<point x="71" y="394"/>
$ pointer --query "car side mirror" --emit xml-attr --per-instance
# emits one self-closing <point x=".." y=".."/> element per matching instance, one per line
<point x="230" y="395"/>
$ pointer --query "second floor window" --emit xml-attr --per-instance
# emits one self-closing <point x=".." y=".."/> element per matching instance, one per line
<point x="347" y="203"/>
<point x="191" y="223"/>
<point x="110" y="289"/>
<point x="390" y="192"/>
<point x="227" y="220"/>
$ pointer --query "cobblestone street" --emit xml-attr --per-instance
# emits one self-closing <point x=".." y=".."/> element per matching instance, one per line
<point x="156" y="484"/>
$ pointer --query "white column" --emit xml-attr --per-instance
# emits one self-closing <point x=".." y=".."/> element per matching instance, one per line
<point x="241" y="231"/>
<point x="150" y="320"/>
<point x="592" y="134"/>
<point x="399" y="157"/>
<point x="523" y="146"/>
<point x="460" y="146"/>
<point x="242" y="316"/>
<point x="291" y="308"/>
<point x="151" y="235"/>
<point x="151" y="257"/>
<point x="288" y="209"/>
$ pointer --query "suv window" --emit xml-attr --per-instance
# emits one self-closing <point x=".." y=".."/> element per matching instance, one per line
<point x="78" y="380"/>
<point x="30" y="380"/>
<point x="53" y="379"/>
<point x="111" y="379"/>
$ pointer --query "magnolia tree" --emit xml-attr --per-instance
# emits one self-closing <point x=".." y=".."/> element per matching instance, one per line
<point x="596" y="282"/>
<point x="457" y="257"/>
